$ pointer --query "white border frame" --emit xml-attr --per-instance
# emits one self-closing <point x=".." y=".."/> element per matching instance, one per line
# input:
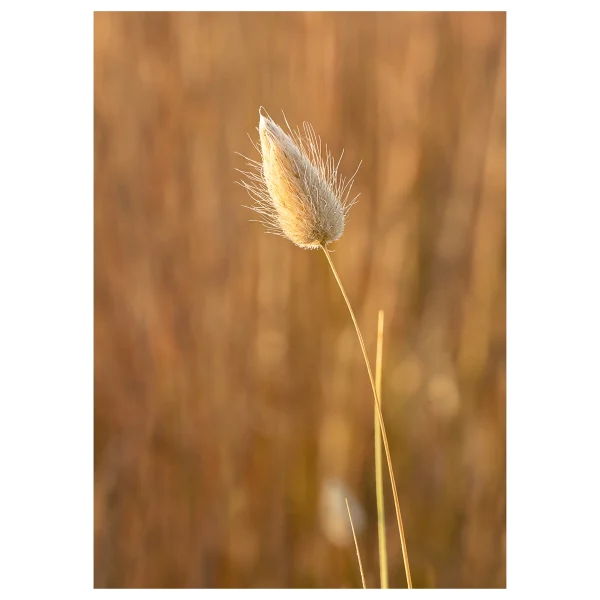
<point x="91" y="12"/>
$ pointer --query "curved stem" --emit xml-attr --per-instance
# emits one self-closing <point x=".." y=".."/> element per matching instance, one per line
<point x="378" y="405"/>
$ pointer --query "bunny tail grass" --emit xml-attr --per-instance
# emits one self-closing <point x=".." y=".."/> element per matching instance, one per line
<point x="300" y="195"/>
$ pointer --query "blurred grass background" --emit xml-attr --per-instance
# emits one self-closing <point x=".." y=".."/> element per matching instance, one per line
<point x="231" y="396"/>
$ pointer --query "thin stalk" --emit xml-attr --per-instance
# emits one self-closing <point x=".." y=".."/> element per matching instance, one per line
<point x="383" y="561"/>
<point x="380" y="415"/>
<point x="362" y="575"/>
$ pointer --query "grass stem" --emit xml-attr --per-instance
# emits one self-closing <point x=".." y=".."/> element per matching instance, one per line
<point x="362" y="575"/>
<point x="380" y="416"/>
<point x="383" y="562"/>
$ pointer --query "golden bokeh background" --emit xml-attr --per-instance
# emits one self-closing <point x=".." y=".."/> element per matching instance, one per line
<point x="232" y="404"/>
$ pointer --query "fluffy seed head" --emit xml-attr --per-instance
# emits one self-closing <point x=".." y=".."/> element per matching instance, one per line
<point x="297" y="192"/>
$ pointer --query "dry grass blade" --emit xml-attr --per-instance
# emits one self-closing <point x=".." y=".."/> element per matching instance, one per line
<point x="362" y="575"/>
<point x="380" y="415"/>
<point x="383" y="562"/>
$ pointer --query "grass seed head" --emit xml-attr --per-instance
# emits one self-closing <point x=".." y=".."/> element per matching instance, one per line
<point x="298" y="193"/>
